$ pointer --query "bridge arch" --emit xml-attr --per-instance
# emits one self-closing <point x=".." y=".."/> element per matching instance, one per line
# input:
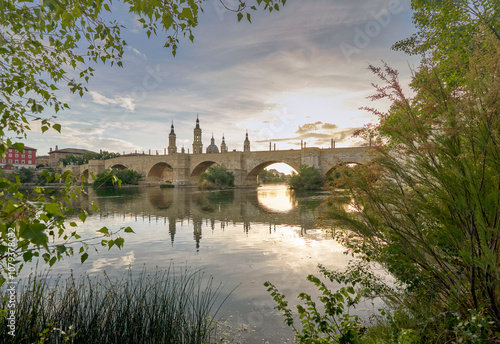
<point x="118" y="167"/>
<point x="254" y="172"/>
<point x="200" y="168"/>
<point x="160" y="172"/>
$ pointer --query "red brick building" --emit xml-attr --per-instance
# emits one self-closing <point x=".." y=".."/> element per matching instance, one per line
<point x="15" y="159"/>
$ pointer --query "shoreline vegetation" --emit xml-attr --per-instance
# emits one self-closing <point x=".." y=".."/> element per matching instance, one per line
<point x="176" y="305"/>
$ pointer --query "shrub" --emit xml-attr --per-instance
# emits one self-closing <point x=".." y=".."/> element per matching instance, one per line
<point x="308" y="178"/>
<point x="114" y="177"/>
<point x="216" y="177"/>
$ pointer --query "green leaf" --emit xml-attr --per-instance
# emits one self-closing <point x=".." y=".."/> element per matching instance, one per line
<point x="82" y="217"/>
<point x="240" y="16"/>
<point x="57" y="127"/>
<point x="27" y="256"/>
<point x="119" y="242"/>
<point x="34" y="232"/>
<point x="129" y="230"/>
<point x="84" y="257"/>
<point x="18" y="146"/>
<point x="103" y="230"/>
<point x="52" y="208"/>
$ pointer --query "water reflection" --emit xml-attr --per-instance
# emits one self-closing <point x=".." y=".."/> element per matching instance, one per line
<point x="241" y="237"/>
<point x="271" y="205"/>
<point x="274" y="199"/>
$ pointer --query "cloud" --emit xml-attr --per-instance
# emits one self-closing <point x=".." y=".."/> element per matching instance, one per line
<point x="321" y="134"/>
<point x="308" y="127"/>
<point x="329" y="126"/>
<point x="137" y="52"/>
<point x="124" y="102"/>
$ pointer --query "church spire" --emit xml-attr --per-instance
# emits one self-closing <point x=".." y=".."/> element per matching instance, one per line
<point x="172" y="148"/>
<point x="246" y="144"/>
<point x="223" y="146"/>
<point x="197" y="144"/>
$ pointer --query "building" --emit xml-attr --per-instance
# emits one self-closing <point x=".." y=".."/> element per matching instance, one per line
<point x="223" y="146"/>
<point x="246" y="144"/>
<point x="57" y="154"/>
<point x="15" y="159"/>
<point x="276" y="172"/>
<point x="197" y="144"/>
<point x="172" y="148"/>
<point x="42" y="160"/>
<point x="212" y="148"/>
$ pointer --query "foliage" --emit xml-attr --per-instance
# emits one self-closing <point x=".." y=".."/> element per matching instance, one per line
<point x="268" y="177"/>
<point x="336" y="325"/>
<point x="216" y="177"/>
<point x="427" y="208"/>
<point x="308" y="178"/>
<point x="71" y="159"/>
<point x="448" y="31"/>
<point x="112" y="177"/>
<point x="35" y="225"/>
<point x="25" y="175"/>
<point x="171" y="306"/>
<point x="339" y="175"/>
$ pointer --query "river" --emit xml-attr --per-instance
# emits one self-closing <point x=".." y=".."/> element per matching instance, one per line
<point x="241" y="237"/>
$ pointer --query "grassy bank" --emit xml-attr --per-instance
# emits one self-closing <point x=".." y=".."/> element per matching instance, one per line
<point x="172" y="306"/>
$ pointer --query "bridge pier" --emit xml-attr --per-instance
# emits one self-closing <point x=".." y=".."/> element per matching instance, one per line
<point x="311" y="157"/>
<point x="96" y="166"/>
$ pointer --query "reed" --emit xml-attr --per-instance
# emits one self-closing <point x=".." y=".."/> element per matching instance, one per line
<point x="169" y="306"/>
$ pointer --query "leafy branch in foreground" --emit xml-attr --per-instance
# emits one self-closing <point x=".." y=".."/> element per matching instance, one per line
<point x="37" y="225"/>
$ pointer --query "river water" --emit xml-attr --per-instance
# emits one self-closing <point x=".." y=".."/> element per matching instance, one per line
<point x="241" y="237"/>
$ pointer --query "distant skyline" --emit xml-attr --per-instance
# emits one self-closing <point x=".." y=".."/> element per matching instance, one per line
<point x="297" y="74"/>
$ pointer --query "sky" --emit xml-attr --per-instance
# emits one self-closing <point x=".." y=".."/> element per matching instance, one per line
<point x="297" y="74"/>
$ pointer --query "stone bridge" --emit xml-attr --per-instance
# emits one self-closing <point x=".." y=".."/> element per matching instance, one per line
<point x="185" y="169"/>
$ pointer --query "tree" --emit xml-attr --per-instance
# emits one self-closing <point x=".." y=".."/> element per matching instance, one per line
<point x="85" y="157"/>
<point x="428" y="206"/>
<point x="216" y="177"/>
<point x="268" y="177"/>
<point x="449" y="30"/>
<point x="26" y="175"/>
<point x="308" y="178"/>
<point x="114" y="177"/>
<point x="46" y="47"/>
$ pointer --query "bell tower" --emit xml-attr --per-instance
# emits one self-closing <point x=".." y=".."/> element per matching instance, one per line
<point x="172" y="148"/>
<point x="223" y="146"/>
<point x="246" y="144"/>
<point x="197" y="144"/>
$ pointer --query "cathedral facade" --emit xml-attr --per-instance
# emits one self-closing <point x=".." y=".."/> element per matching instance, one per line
<point x="198" y="144"/>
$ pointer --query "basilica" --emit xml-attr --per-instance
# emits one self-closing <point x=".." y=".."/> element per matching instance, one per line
<point x="198" y="144"/>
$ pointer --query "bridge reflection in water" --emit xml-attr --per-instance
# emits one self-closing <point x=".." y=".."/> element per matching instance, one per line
<point x="271" y="205"/>
<point x="240" y="238"/>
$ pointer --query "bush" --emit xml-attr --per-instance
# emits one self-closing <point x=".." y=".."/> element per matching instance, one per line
<point x="114" y="177"/>
<point x="216" y="177"/>
<point x="308" y="178"/>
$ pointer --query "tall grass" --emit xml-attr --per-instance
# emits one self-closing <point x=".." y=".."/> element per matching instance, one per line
<point x="171" y="306"/>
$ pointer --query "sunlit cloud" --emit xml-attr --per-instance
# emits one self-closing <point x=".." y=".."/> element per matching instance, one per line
<point x="124" y="102"/>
